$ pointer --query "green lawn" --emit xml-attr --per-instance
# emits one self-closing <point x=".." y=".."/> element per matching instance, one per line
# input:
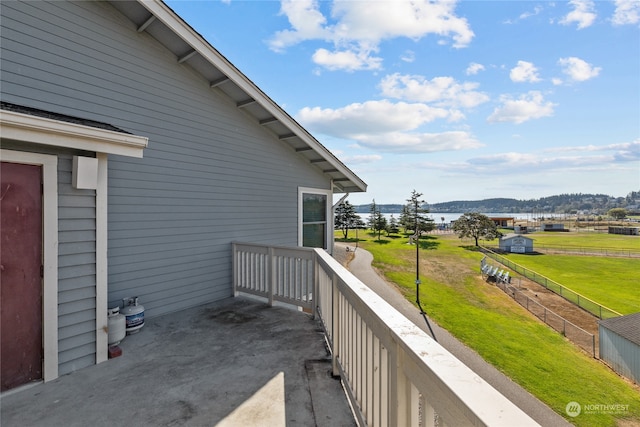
<point x="583" y="240"/>
<point x="501" y="331"/>
<point x="612" y="282"/>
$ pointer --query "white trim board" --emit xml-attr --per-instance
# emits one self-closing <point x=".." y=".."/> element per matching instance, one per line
<point x="40" y="130"/>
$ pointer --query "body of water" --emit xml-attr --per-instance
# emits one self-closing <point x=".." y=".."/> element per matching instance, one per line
<point x="449" y="217"/>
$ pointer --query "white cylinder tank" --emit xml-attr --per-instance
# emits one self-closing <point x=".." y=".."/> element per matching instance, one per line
<point x="117" y="325"/>
<point x="134" y="313"/>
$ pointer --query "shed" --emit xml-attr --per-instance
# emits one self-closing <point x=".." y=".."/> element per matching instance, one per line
<point x="620" y="344"/>
<point x="516" y="243"/>
<point x="154" y="153"/>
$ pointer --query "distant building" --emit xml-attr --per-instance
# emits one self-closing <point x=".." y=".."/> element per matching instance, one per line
<point x="505" y="222"/>
<point x="620" y="344"/>
<point x="627" y="231"/>
<point x="553" y="227"/>
<point x="516" y="243"/>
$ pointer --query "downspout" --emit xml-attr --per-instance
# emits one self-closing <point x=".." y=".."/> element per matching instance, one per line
<point x="333" y="217"/>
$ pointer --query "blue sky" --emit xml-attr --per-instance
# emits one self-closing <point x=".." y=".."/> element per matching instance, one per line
<point x="458" y="100"/>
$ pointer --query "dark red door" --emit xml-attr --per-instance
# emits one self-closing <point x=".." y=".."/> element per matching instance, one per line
<point x="20" y="274"/>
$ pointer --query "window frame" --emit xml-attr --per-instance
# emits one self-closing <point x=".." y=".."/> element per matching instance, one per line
<point x="328" y="214"/>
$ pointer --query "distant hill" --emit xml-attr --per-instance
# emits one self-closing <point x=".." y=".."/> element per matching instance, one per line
<point x="563" y="203"/>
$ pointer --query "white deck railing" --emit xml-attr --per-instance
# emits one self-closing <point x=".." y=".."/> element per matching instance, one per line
<point x="394" y="373"/>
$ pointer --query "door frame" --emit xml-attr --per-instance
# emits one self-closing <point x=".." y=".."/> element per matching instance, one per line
<point x="49" y="164"/>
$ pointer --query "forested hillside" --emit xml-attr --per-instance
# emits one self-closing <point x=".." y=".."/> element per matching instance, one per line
<point x="563" y="203"/>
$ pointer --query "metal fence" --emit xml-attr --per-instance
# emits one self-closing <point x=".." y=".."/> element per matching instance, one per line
<point x="582" y="338"/>
<point x="579" y="250"/>
<point x="587" y="304"/>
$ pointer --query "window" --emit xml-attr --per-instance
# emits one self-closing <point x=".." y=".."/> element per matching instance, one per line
<point x="315" y="224"/>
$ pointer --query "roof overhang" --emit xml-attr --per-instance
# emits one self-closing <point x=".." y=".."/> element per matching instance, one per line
<point x="158" y="20"/>
<point x="39" y="130"/>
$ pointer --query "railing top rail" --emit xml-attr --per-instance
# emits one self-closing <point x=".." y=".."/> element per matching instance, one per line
<point x="284" y="248"/>
<point x="431" y="366"/>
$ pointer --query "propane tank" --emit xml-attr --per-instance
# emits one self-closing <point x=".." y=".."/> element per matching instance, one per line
<point x="134" y="314"/>
<point x="116" y="324"/>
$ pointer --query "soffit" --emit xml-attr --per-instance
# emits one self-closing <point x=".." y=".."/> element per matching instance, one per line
<point x="160" y="22"/>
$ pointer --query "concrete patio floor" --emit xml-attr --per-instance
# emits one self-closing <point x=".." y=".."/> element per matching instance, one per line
<point x="237" y="362"/>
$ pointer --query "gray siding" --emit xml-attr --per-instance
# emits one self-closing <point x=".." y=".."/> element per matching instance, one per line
<point x="210" y="175"/>
<point x="621" y="354"/>
<point x="76" y="272"/>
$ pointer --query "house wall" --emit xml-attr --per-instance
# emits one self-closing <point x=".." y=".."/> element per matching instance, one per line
<point x="210" y="175"/>
<point x="621" y="354"/>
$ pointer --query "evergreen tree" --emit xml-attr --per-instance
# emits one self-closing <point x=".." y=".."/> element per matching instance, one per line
<point x="377" y="221"/>
<point x="392" y="226"/>
<point x="406" y="220"/>
<point x="418" y="221"/>
<point x="346" y="218"/>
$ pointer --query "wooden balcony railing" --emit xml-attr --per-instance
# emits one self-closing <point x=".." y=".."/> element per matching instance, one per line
<point x="394" y="373"/>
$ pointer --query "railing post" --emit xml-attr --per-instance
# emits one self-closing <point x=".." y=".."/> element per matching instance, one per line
<point x="271" y="260"/>
<point x="315" y="293"/>
<point x="400" y="390"/>
<point x="234" y="267"/>
<point x="335" y="325"/>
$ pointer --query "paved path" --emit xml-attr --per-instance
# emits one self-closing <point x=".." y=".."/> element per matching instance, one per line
<point x="361" y="267"/>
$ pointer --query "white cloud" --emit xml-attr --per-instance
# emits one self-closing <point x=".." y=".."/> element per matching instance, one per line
<point x="583" y="14"/>
<point x="307" y="22"/>
<point x="524" y="72"/>
<point x="358" y="28"/>
<point x="474" y="68"/>
<point x="441" y="91"/>
<point x="387" y="126"/>
<point x="577" y="69"/>
<point x="621" y="152"/>
<point x="420" y="142"/>
<point x="528" y="106"/>
<point x="370" y="117"/>
<point x="346" y="60"/>
<point x="627" y="12"/>
<point x="408" y="56"/>
<point x="514" y="163"/>
<point x="525" y="15"/>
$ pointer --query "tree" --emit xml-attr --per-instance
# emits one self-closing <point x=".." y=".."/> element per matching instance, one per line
<point x="417" y="215"/>
<point x="405" y="218"/>
<point x="476" y="225"/>
<point x="377" y="221"/>
<point x="618" y="213"/>
<point x="346" y="217"/>
<point x="392" y="226"/>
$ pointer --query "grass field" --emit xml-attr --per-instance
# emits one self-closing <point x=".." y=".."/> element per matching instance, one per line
<point x="577" y="240"/>
<point x="501" y="331"/>
<point x="612" y="282"/>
